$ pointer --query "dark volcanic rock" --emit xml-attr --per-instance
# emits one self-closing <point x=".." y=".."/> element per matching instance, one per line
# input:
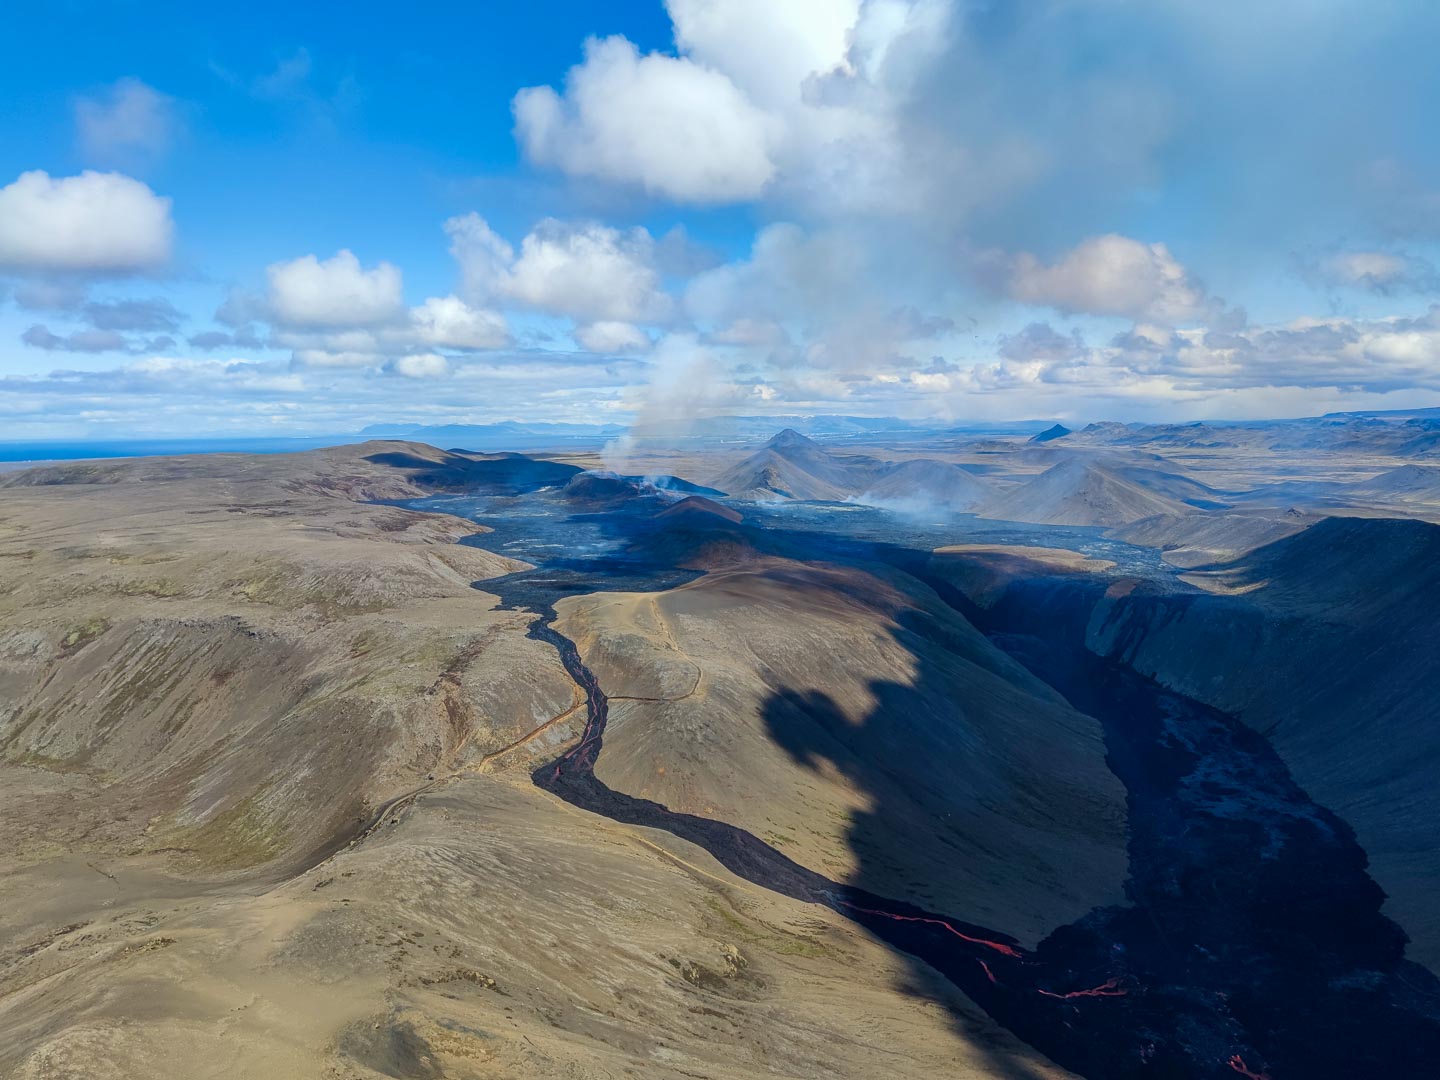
<point x="1050" y="434"/>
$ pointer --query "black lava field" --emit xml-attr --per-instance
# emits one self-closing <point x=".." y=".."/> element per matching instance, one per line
<point x="1252" y="942"/>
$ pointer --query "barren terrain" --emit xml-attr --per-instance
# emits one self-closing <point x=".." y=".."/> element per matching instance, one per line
<point x="269" y="814"/>
<point x="312" y="773"/>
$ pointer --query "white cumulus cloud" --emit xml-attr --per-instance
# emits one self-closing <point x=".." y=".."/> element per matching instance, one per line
<point x="441" y="322"/>
<point x="1111" y="275"/>
<point x="803" y="96"/>
<point x="800" y="38"/>
<point x="310" y="292"/>
<point x="483" y="254"/>
<point x="447" y="322"/>
<point x="675" y="127"/>
<point x="95" y="223"/>
<point x="588" y="272"/>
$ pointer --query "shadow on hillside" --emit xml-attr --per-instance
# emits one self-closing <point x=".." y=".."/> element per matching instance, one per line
<point x="508" y="474"/>
<point x="1252" y="942"/>
<point x="750" y="858"/>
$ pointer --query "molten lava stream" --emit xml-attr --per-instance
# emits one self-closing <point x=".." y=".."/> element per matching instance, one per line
<point x="1109" y="988"/>
<point x="1000" y="947"/>
<point x="1238" y="1064"/>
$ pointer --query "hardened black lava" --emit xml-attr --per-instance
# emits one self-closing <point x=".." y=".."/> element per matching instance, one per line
<point x="1252" y="943"/>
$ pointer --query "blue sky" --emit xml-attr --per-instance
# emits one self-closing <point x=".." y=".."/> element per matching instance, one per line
<point x="278" y="219"/>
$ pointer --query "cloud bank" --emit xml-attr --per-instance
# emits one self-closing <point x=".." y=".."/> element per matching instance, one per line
<point x="930" y="208"/>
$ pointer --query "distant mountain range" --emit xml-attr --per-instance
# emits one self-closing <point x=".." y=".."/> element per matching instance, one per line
<point x="1081" y="491"/>
<point x="1099" y="488"/>
<point x="829" y="427"/>
<point x="503" y="430"/>
<point x="710" y="427"/>
<point x="1404" y="434"/>
<point x="793" y="466"/>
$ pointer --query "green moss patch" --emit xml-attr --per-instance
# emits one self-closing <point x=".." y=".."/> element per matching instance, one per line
<point x="78" y="636"/>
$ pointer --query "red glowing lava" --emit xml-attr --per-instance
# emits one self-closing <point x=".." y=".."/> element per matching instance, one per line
<point x="1238" y="1064"/>
<point x="988" y="973"/>
<point x="1109" y="988"/>
<point x="1000" y="947"/>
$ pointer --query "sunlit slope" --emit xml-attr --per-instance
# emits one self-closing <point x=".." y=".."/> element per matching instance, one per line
<point x="791" y="466"/>
<point x="853" y="721"/>
<point x="236" y="670"/>
<point x="1085" y="491"/>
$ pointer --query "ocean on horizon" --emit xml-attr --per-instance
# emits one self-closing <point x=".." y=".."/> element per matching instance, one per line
<point x="79" y="450"/>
